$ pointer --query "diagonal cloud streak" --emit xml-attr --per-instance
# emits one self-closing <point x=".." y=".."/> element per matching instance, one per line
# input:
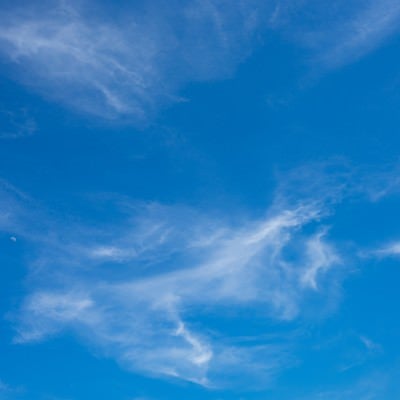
<point x="135" y="290"/>
<point x="128" y="62"/>
<point x="149" y="288"/>
<point x="131" y="64"/>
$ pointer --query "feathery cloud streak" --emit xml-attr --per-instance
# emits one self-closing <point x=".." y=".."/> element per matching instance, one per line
<point x="340" y="32"/>
<point x="129" y="62"/>
<point x="146" y="288"/>
<point x="140" y="290"/>
<point x="132" y="63"/>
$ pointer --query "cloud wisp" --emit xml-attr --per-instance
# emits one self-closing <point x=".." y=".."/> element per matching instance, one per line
<point x="362" y="33"/>
<point x="16" y="124"/>
<point x="144" y="290"/>
<point x="340" y="33"/>
<point x="388" y="250"/>
<point x="156" y="288"/>
<point x="128" y="63"/>
<point x="132" y="63"/>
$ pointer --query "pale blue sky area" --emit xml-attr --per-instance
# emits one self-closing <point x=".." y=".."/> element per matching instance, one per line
<point x="199" y="200"/>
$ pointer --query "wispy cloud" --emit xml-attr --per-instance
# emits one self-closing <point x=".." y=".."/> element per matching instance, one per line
<point x="370" y="344"/>
<point x="3" y="386"/>
<point x="370" y="387"/>
<point x="8" y="392"/>
<point x="128" y="64"/>
<point x="146" y="288"/>
<point x="143" y="317"/>
<point x="16" y="124"/>
<point x="143" y="290"/>
<point x="366" y="31"/>
<point x="341" y="32"/>
<point x="370" y="25"/>
<point x="391" y="249"/>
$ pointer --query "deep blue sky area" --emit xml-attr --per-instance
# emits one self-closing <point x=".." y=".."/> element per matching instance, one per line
<point x="199" y="200"/>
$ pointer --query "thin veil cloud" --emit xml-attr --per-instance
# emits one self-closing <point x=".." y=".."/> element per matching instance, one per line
<point x="128" y="63"/>
<point x="134" y="290"/>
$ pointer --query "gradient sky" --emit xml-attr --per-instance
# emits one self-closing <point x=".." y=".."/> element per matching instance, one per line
<point x="200" y="200"/>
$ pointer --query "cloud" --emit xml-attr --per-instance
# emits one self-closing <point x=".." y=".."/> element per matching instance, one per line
<point x="321" y="256"/>
<point x="167" y="290"/>
<point x="8" y="392"/>
<point x="370" y="387"/>
<point x="340" y="33"/>
<point x="364" y="32"/>
<point x="14" y="205"/>
<point x="370" y="344"/>
<point x="389" y="250"/>
<point x="128" y="64"/>
<point x="143" y="290"/>
<point x="16" y="124"/>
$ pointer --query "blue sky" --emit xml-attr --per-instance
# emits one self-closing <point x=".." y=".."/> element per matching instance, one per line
<point x="199" y="200"/>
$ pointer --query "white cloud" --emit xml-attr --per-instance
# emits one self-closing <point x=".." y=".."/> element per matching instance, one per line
<point x="370" y="344"/>
<point x="141" y="295"/>
<point x="362" y="33"/>
<point x="389" y="250"/>
<point x="16" y="124"/>
<point x="54" y="308"/>
<point x="148" y="289"/>
<point x="321" y="255"/>
<point x="131" y="63"/>
<point x="372" y="386"/>
<point x="8" y="392"/>
<point x="341" y="32"/>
